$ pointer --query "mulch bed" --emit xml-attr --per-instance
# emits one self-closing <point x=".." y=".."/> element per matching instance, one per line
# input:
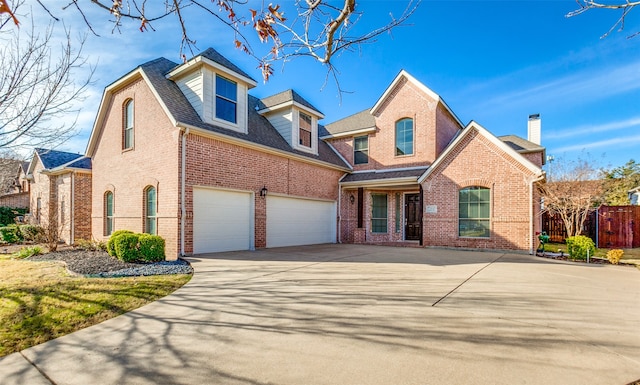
<point x="85" y="261"/>
<point x="592" y="261"/>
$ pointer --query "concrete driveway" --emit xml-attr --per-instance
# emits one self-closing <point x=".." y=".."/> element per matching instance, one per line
<point x="349" y="314"/>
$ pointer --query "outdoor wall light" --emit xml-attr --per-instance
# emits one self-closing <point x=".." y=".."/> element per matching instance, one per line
<point x="352" y="199"/>
<point x="263" y="191"/>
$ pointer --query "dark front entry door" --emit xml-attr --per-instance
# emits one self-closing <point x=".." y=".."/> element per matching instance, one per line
<point x="412" y="211"/>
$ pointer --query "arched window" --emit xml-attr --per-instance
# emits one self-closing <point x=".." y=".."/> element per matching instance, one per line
<point x="108" y="213"/>
<point x="474" y="212"/>
<point x="150" y="205"/>
<point x="127" y="134"/>
<point x="404" y="137"/>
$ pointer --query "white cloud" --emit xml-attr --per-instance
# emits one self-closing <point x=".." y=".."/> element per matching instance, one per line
<point x="621" y="142"/>
<point x="633" y="122"/>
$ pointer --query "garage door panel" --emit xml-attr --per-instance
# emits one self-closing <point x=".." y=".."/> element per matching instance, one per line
<point x="295" y="221"/>
<point x="221" y="220"/>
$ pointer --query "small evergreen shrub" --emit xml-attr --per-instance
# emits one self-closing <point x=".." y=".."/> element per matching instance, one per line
<point x="11" y="234"/>
<point x="27" y="252"/>
<point x="126" y="247"/>
<point x="151" y="247"/>
<point x="110" y="243"/>
<point x="8" y="214"/>
<point x="614" y="256"/>
<point x="579" y="245"/>
<point x="31" y="233"/>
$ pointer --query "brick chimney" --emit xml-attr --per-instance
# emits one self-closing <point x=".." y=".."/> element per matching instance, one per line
<point x="534" y="129"/>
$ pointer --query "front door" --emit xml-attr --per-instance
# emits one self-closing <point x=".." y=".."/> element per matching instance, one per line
<point x="412" y="213"/>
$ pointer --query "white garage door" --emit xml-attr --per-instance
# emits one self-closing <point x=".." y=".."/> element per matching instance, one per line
<point x="222" y="220"/>
<point x="294" y="221"/>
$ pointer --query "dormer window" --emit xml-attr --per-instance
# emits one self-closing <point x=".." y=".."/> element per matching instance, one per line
<point x="305" y="129"/>
<point x="226" y="99"/>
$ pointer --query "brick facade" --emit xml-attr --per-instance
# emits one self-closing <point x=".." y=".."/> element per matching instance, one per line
<point x="153" y="161"/>
<point x="476" y="161"/>
<point x="17" y="200"/>
<point x="214" y="163"/>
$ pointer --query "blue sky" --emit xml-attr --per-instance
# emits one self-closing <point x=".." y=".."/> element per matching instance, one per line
<point x="494" y="62"/>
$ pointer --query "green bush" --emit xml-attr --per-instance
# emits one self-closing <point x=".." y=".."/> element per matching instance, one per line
<point x="11" y="234"/>
<point x="579" y="245"/>
<point x="126" y="247"/>
<point x="27" y="252"/>
<point x="151" y="247"/>
<point x="8" y="214"/>
<point x="110" y="243"/>
<point x="31" y="233"/>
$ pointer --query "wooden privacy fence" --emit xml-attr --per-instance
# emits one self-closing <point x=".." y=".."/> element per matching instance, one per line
<point x="609" y="226"/>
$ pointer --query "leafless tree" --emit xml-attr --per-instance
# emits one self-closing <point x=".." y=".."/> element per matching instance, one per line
<point x="320" y="29"/>
<point x="38" y="85"/>
<point x="575" y="191"/>
<point x="624" y="6"/>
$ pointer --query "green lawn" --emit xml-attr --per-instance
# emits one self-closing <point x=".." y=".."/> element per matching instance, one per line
<point x="39" y="301"/>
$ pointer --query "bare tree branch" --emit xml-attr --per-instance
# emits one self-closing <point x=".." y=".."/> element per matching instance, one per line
<point x="37" y="87"/>
<point x="625" y="7"/>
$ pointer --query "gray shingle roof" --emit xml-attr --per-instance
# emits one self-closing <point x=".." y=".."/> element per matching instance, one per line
<point x="52" y="158"/>
<point x="382" y="175"/>
<point x="260" y="131"/>
<point x="359" y="121"/>
<point x="284" y="97"/>
<point x="519" y="144"/>
<point x="215" y="56"/>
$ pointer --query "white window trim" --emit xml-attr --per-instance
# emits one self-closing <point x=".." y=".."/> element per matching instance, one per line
<point x="296" y="132"/>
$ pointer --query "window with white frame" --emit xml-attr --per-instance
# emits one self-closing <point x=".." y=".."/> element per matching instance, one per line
<point x="226" y="99"/>
<point x="379" y="213"/>
<point x="127" y="134"/>
<point x="474" y="212"/>
<point x="404" y="137"/>
<point x="361" y="149"/>
<point x="305" y="129"/>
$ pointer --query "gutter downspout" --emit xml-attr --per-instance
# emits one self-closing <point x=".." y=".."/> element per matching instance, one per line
<point x="183" y="173"/>
<point x="538" y="179"/>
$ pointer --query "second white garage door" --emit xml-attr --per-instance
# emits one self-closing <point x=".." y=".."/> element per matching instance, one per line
<point x="222" y="220"/>
<point x="295" y="221"/>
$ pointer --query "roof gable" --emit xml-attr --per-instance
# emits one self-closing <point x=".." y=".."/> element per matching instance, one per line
<point x="406" y="76"/>
<point x="51" y="158"/>
<point x="475" y="127"/>
<point x="285" y="99"/>
<point x="355" y="123"/>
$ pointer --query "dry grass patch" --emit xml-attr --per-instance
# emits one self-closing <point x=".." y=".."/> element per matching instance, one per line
<point x="39" y="301"/>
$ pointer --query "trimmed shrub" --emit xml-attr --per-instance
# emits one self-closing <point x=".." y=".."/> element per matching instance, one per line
<point x="110" y="243"/>
<point x="579" y="245"/>
<point x="614" y="256"/>
<point x="8" y="214"/>
<point x="126" y="247"/>
<point x="11" y="234"/>
<point x="151" y="247"/>
<point x="31" y="233"/>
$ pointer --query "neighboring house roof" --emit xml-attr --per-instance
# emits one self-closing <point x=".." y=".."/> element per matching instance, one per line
<point x="25" y="167"/>
<point x="182" y="114"/>
<point x="285" y="97"/>
<point x="362" y="120"/>
<point x="58" y="161"/>
<point x="82" y="163"/>
<point x="384" y="176"/>
<point x="51" y="158"/>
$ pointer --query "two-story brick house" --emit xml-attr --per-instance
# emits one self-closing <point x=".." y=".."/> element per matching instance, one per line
<point x="184" y="151"/>
<point x="421" y="177"/>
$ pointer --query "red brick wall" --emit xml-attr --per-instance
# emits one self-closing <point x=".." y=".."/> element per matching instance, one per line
<point x="82" y="206"/>
<point x="215" y="163"/>
<point x="18" y="200"/>
<point x="535" y="158"/>
<point x="478" y="162"/>
<point x="154" y="160"/>
<point x="434" y="128"/>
